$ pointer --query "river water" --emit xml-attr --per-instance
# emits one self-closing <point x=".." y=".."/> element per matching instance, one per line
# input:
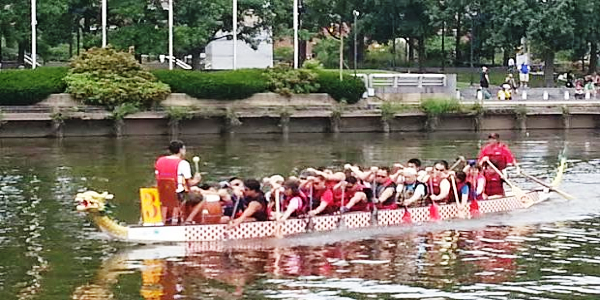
<point x="50" y="251"/>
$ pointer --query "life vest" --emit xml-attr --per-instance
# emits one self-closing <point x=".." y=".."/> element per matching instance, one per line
<point x="434" y="187"/>
<point x="389" y="203"/>
<point x="474" y="181"/>
<point x="165" y="168"/>
<point x="459" y="187"/>
<point x="260" y="215"/>
<point x="301" y="209"/>
<point x="348" y="195"/>
<point x="496" y="154"/>
<point x="493" y="183"/>
<point x="408" y="190"/>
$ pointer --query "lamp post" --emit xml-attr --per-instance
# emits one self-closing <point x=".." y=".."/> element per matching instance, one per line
<point x="33" y="34"/>
<point x="443" y="7"/>
<point x="235" y="21"/>
<point x="341" y="30"/>
<point x="473" y="15"/>
<point x="104" y="23"/>
<point x="356" y="13"/>
<point x="295" y="21"/>
<point x="170" y="34"/>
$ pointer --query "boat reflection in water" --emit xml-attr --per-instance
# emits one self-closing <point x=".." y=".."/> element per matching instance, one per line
<point x="437" y="260"/>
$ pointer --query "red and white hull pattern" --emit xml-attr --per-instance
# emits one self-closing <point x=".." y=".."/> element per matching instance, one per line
<point x="257" y="230"/>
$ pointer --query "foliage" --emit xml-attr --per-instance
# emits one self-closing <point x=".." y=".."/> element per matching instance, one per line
<point x="222" y="85"/>
<point x="103" y="76"/>
<point x="124" y="109"/>
<point x="436" y="107"/>
<point x="312" y="64"/>
<point x="328" y="52"/>
<point x="389" y="110"/>
<point x="286" y="81"/>
<point x="178" y="113"/>
<point x="349" y="90"/>
<point x="284" y="54"/>
<point x="26" y="87"/>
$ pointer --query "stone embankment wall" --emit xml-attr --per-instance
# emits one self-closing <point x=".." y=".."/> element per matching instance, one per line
<point x="60" y="116"/>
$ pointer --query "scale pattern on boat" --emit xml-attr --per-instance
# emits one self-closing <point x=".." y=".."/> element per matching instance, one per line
<point x="350" y="220"/>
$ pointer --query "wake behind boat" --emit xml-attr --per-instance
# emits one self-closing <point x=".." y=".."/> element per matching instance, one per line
<point x="94" y="204"/>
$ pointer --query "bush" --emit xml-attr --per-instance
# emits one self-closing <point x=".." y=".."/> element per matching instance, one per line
<point x="27" y="87"/>
<point x="350" y="89"/>
<point x="287" y="81"/>
<point x="104" y="76"/>
<point x="436" y="107"/>
<point x="225" y="85"/>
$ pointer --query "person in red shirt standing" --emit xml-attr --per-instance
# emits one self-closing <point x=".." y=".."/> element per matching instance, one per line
<point x="174" y="179"/>
<point x="498" y="152"/>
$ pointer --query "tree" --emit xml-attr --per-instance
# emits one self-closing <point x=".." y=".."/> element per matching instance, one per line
<point x="551" y="29"/>
<point x="199" y="24"/>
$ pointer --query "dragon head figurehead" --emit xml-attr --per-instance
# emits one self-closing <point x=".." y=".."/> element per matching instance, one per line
<point x="91" y="201"/>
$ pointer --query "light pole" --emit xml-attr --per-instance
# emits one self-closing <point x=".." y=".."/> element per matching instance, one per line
<point x="171" y="35"/>
<point x="341" y="31"/>
<point x="473" y="15"/>
<point x="235" y="21"/>
<point x="104" y="23"/>
<point x="295" y="21"/>
<point x="33" y="35"/>
<point x="356" y="13"/>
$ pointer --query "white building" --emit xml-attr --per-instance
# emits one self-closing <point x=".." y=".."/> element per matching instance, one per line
<point x="219" y="53"/>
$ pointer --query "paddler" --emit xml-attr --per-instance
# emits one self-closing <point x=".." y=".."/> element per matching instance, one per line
<point x="411" y="191"/>
<point x="438" y="184"/>
<point x="294" y="200"/>
<point x="321" y="194"/>
<point x="350" y="195"/>
<point x="253" y="205"/>
<point x="498" y="152"/>
<point x="384" y="191"/>
<point x="173" y="170"/>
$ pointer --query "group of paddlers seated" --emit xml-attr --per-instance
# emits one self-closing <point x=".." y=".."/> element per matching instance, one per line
<point x="324" y="192"/>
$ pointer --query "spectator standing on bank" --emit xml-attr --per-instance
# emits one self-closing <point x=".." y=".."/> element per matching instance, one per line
<point x="524" y="70"/>
<point x="484" y="83"/>
<point x="511" y="66"/>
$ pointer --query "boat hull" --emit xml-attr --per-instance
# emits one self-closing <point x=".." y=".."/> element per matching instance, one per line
<point x="257" y="230"/>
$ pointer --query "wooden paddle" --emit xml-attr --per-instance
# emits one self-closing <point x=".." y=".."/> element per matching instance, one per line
<point x="278" y="223"/>
<point x="458" y="161"/>
<point x="522" y="196"/>
<point x="341" y="223"/>
<point x="309" y="224"/>
<point x="558" y="191"/>
<point x="406" y="217"/>
<point x="459" y="205"/>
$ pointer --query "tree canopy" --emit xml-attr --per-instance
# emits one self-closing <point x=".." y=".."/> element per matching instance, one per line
<point x="489" y="27"/>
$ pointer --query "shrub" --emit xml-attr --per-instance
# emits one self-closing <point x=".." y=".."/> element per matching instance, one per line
<point x="27" y="87"/>
<point x="350" y="89"/>
<point x="225" y="85"/>
<point x="436" y="107"/>
<point x="287" y="81"/>
<point x="104" y="76"/>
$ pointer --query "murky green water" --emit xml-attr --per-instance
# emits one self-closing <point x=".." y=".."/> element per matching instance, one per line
<point x="49" y="251"/>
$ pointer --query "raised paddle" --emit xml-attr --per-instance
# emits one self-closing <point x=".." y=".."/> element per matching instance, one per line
<point x="278" y="229"/>
<point x="196" y="160"/>
<point x="562" y="193"/>
<point x="459" y="205"/>
<point x="458" y="161"/>
<point x="522" y="196"/>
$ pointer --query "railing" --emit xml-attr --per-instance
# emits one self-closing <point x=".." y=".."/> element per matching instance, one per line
<point x="406" y="80"/>
<point x="29" y="61"/>
<point x="180" y="63"/>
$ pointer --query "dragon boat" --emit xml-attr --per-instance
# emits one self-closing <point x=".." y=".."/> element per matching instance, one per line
<point x="94" y="204"/>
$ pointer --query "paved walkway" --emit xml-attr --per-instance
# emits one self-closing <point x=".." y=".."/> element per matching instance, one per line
<point x="533" y="94"/>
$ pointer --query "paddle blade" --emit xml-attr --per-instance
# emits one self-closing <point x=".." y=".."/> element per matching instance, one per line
<point x="406" y="217"/>
<point x="526" y="201"/>
<point x="474" y="209"/>
<point x="434" y="212"/>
